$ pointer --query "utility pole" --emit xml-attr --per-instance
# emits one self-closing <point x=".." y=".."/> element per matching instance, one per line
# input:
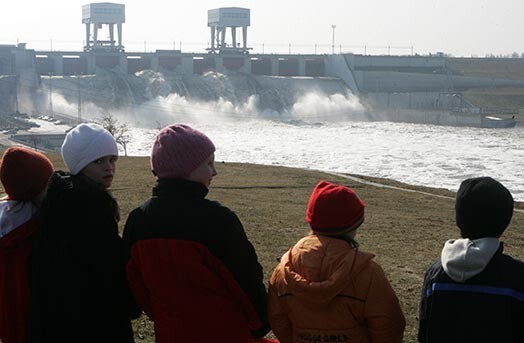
<point x="79" y="100"/>
<point x="51" y="93"/>
<point x="333" y="39"/>
<point x="17" y="85"/>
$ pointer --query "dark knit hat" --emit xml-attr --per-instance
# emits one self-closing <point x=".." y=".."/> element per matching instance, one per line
<point x="334" y="209"/>
<point x="178" y="150"/>
<point x="483" y="208"/>
<point x="24" y="173"/>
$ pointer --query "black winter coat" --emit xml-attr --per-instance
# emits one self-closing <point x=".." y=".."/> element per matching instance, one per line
<point x="486" y="308"/>
<point x="79" y="291"/>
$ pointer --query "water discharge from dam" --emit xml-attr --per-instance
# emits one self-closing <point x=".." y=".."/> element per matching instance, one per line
<point x="150" y="98"/>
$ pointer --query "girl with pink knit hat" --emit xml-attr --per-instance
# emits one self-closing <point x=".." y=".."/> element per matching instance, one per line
<point x="24" y="174"/>
<point x="192" y="268"/>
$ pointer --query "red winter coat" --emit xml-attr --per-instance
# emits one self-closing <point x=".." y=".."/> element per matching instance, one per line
<point x="195" y="300"/>
<point x="15" y="248"/>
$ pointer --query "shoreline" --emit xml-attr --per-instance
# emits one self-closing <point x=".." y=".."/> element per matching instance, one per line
<point x="519" y="205"/>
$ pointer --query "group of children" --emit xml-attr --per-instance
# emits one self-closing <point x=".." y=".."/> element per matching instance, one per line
<point x="186" y="262"/>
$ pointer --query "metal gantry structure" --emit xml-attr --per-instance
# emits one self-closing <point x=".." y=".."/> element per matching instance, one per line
<point x="96" y="15"/>
<point x="219" y="20"/>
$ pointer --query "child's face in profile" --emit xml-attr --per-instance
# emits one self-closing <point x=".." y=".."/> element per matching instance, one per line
<point x="102" y="170"/>
<point x="205" y="172"/>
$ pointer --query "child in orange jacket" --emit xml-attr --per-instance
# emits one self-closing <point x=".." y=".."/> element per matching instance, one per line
<point x="325" y="289"/>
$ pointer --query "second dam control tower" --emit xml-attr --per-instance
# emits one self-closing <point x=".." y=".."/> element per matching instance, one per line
<point x="219" y="20"/>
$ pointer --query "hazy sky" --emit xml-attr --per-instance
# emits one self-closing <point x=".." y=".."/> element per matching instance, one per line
<point x="458" y="27"/>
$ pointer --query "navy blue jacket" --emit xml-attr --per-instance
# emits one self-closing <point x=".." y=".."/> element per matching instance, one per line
<point x="486" y="308"/>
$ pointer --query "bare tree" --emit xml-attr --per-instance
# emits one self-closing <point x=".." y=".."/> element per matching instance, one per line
<point x="119" y="131"/>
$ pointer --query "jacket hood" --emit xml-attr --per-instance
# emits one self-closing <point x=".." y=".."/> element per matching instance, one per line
<point x="463" y="259"/>
<point x="21" y="234"/>
<point x="13" y="214"/>
<point x="318" y="268"/>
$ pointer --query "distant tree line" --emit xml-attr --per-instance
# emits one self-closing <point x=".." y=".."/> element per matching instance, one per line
<point x="512" y="55"/>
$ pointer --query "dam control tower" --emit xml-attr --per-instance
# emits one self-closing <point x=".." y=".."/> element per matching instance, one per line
<point x="103" y="13"/>
<point x="218" y="20"/>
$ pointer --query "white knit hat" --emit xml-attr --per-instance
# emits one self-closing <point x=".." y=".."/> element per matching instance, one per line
<point x="86" y="143"/>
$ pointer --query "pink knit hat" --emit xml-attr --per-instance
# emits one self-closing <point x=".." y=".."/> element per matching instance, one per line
<point x="178" y="150"/>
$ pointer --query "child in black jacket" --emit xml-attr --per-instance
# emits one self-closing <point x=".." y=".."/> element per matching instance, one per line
<point x="192" y="267"/>
<point x="79" y="291"/>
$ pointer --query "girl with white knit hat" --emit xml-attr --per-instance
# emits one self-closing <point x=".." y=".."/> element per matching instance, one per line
<point x="78" y="271"/>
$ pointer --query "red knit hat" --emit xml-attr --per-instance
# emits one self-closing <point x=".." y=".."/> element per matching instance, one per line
<point x="334" y="209"/>
<point x="24" y="173"/>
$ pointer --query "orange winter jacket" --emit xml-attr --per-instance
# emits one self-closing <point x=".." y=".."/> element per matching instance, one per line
<point x="323" y="290"/>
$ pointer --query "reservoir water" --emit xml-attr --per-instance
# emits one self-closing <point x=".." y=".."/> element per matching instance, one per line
<point x="429" y="155"/>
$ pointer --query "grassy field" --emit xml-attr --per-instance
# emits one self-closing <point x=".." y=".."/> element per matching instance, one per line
<point x="406" y="230"/>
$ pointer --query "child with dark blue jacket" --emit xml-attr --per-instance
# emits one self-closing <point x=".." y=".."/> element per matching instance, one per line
<point x="475" y="292"/>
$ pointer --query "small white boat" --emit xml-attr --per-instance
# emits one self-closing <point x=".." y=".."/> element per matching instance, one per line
<point x="497" y="122"/>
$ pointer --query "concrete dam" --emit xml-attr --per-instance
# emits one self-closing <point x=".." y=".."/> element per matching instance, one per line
<point x="381" y="81"/>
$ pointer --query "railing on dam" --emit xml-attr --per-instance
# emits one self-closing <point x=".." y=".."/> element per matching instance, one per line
<point x="85" y="63"/>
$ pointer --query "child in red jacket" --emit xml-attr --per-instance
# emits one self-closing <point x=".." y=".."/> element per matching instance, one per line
<point x="24" y="174"/>
<point x="192" y="267"/>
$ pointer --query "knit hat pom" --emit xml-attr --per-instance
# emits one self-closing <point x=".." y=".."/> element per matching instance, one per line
<point x="483" y="208"/>
<point x="178" y="150"/>
<point x="86" y="143"/>
<point x="334" y="209"/>
<point x="24" y="173"/>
